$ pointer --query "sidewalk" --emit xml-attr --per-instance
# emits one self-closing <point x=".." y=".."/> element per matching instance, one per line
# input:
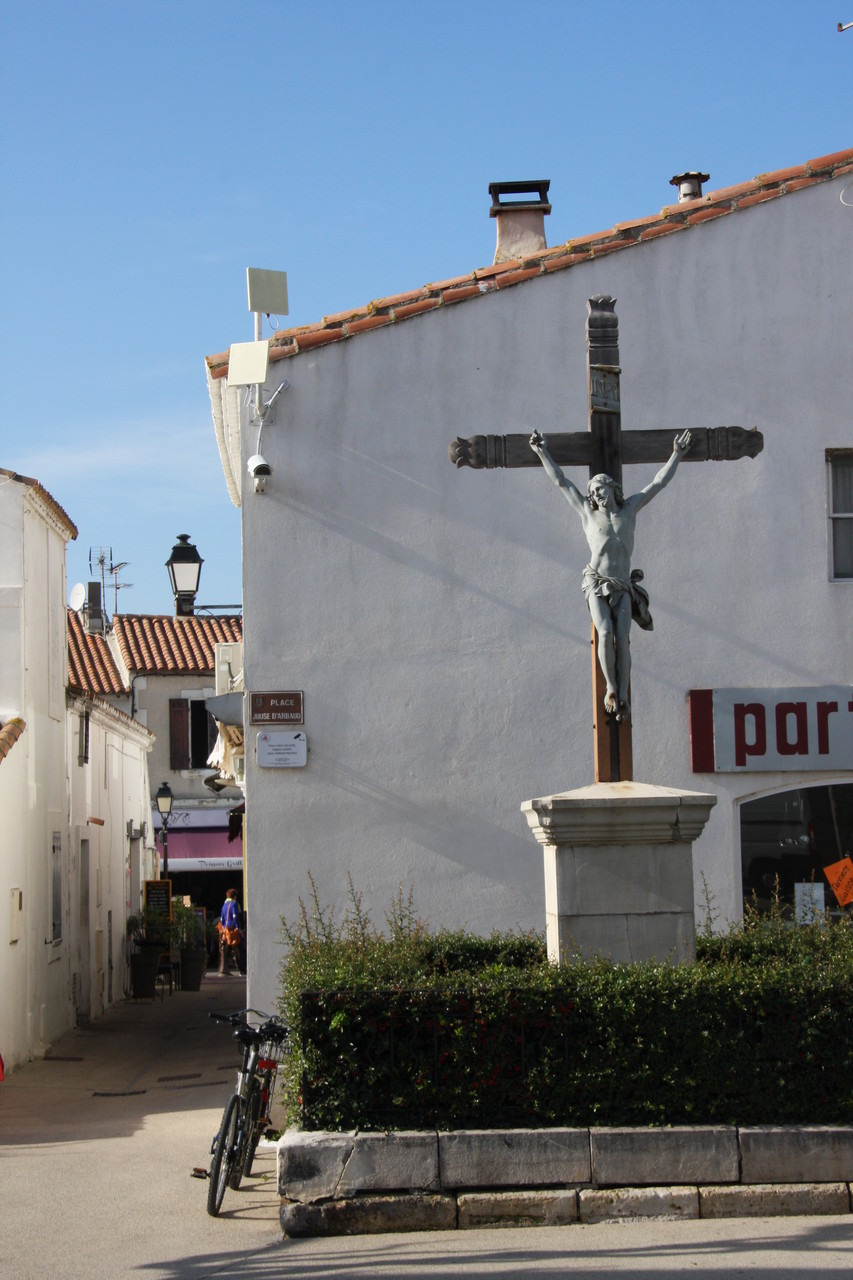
<point x="97" y="1142"/>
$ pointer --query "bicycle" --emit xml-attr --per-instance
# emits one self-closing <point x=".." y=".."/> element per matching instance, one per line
<point x="246" y="1114"/>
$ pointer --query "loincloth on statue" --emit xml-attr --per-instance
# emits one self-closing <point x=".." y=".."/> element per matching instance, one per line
<point x="594" y="583"/>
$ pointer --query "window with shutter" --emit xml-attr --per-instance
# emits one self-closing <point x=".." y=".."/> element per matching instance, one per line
<point x="179" y="733"/>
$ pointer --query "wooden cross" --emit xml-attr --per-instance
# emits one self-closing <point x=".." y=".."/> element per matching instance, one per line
<point x="604" y="447"/>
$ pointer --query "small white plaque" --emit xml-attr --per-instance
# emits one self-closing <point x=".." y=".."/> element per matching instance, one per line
<point x="809" y="903"/>
<point x="281" y="749"/>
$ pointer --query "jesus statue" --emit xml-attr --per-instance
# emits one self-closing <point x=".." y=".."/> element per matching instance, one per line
<point x="609" y="584"/>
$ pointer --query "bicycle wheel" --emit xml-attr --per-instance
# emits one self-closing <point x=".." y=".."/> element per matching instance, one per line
<point x="253" y="1127"/>
<point x="224" y="1154"/>
<point x="244" y="1133"/>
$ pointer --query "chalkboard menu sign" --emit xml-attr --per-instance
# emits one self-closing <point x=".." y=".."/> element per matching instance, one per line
<point x="158" y="904"/>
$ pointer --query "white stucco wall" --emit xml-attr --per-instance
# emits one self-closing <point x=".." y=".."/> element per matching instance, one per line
<point x="35" y="968"/>
<point x="106" y="793"/>
<point x="434" y="618"/>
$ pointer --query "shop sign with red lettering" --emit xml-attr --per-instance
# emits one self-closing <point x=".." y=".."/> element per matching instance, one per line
<point x="840" y="877"/>
<point x="277" y="708"/>
<point x="752" y="730"/>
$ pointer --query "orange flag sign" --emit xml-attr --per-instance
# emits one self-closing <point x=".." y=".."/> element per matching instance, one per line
<point x="840" y="877"/>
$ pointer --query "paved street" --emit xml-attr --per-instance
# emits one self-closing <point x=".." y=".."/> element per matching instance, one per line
<point x="97" y="1143"/>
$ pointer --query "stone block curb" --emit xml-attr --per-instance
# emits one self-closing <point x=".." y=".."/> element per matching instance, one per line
<point x="513" y="1157"/>
<point x="777" y="1200"/>
<point x="366" y="1215"/>
<point x="310" y="1164"/>
<point x="516" y="1208"/>
<point x="355" y="1183"/>
<point x="796" y="1153"/>
<point x="638" y="1202"/>
<point x="326" y="1166"/>
<point x="634" y="1157"/>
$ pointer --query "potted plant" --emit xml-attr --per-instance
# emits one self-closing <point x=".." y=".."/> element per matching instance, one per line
<point x="144" y="932"/>
<point x="188" y="935"/>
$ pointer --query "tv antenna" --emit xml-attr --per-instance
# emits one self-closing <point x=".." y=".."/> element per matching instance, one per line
<point x="103" y="558"/>
<point x="115" y="570"/>
<point x="100" y="557"/>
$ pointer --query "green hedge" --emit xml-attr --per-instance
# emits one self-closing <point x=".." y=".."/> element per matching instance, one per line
<point x="417" y="1030"/>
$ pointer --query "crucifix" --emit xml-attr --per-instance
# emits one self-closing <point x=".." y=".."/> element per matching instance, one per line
<point x="604" y="447"/>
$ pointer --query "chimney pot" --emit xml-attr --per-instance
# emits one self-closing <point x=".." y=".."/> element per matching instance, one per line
<point x="521" y="223"/>
<point x="689" y="184"/>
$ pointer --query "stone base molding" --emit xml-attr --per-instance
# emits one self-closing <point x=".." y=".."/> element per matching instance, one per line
<point x="357" y="1183"/>
<point x="618" y="860"/>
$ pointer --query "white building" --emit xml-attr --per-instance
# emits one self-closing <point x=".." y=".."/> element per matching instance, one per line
<point x="433" y="618"/>
<point x="112" y="838"/>
<point x="35" y="852"/>
<point x="73" y="791"/>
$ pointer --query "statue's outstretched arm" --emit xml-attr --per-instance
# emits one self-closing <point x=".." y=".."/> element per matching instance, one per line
<point x="680" y="446"/>
<point x="539" y="445"/>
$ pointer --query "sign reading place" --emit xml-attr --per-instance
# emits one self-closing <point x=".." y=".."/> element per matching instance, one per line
<point x="276" y="708"/>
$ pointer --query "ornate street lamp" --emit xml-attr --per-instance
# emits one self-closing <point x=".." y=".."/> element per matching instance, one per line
<point x="184" y="565"/>
<point x="164" y="799"/>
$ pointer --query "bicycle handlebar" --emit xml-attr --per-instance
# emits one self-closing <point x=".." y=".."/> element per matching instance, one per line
<point x="272" y="1028"/>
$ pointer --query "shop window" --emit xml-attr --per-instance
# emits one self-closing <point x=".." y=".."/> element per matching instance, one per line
<point x="787" y="839"/>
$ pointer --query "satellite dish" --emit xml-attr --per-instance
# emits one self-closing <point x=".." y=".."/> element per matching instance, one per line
<point x="78" y="597"/>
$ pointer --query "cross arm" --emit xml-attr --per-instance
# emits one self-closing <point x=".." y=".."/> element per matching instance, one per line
<point x="573" y="448"/>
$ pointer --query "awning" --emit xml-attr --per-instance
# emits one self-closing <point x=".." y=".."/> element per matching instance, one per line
<point x="204" y="851"/>
<point x="227" y="708"/>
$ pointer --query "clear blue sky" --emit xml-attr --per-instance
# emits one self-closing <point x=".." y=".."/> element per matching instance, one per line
<point x="152" y="152"/>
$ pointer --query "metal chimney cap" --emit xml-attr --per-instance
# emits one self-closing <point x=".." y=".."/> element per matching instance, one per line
<point x="537" y="186"/>
<point x="689" y="184"/>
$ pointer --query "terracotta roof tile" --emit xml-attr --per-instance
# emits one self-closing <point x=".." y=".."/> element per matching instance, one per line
<point x="413" y="295"/>
<point x="366" y="322"/>
<point x="91" y="665"/>
<point x="516" y="277"/>
<point x="756" y="197"/>
<point x="661" y="229"/>
<point x="441" y="286"/>
<point x="832" y="161"/>
<point x="497" y="268"/>
<point x="702" y="215"/>
<point x="564" y="260"/>
<point x="10" y="732"/>
<point x="156" y="644"/>
<point x="415" y="308"/>
<point x="684" y="206"/>
<point x="459" y="293"/>
<point x="784" y="175"/>
<point x="689" y="215"/>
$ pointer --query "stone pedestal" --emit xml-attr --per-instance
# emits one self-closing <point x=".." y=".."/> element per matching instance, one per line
<point x="619" y="870"/>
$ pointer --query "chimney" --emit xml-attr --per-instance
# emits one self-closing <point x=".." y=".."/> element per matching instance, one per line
<point x="521" y="223"/>
<point x="94" y="610"/>
<point x="689" y="185"/>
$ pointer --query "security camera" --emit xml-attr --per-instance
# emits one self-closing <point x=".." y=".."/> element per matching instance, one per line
<point x="259" y="469"/>
<point x="258" y="466"/>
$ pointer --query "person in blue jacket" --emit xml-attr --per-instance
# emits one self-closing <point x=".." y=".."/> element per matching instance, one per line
<point x="230" y="933"/>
